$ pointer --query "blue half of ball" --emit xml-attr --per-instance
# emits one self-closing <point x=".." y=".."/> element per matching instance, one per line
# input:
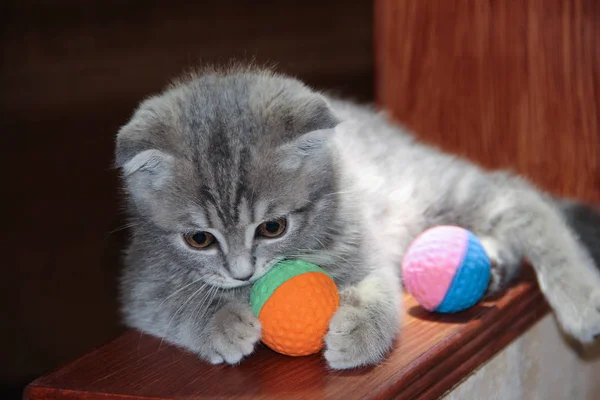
<point x="470" y="281"/>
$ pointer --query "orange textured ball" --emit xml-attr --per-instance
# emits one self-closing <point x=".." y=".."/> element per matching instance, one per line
<point x="294" y="303"/>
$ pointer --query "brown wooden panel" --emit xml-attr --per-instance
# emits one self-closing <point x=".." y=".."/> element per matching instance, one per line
<point x="432" y="354"/>
<point x="506" y="83"/>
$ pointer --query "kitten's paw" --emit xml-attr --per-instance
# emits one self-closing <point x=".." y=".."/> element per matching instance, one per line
<point x="356" y="338"/>
<point x="233" y="333"/>
<point x="578" y="312"/>
<point x="504" y="264"/>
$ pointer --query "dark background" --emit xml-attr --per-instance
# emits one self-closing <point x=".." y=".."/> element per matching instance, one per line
<point x="71" y="73"/>
<point x="505" y="83"/>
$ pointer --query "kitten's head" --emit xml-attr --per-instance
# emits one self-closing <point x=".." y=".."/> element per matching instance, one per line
<point x="228" y="172"/>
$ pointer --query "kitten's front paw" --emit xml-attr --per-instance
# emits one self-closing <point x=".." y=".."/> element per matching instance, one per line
<point x="504" y="264"/>
<point x="234" y="331"/>
<point x="357" y="337"/>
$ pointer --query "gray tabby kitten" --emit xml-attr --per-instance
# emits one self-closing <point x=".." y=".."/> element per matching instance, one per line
<point x="228" y="172"/>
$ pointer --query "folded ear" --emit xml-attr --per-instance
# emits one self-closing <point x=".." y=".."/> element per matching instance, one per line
<point x="150" y="161"/>
<point x="144" y="168"/>
<point x="310" y="147"/>
<point x="146" y="175"/>
<point x="137" y="141"/>
<point x="312" y="114"/>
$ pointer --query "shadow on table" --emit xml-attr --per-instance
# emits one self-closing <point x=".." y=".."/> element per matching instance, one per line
<point x="473" y="313"/>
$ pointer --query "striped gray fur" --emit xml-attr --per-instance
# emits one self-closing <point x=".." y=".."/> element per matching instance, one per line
<point x="223" y="151"/>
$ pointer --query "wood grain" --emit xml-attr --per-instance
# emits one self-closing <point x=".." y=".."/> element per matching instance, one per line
<point x="433" y="353"/>
<point x="512" y="84"/>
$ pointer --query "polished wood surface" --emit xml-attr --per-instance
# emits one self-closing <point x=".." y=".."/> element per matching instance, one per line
<point x="432" y="354"/>
<point x="511" y="83"/>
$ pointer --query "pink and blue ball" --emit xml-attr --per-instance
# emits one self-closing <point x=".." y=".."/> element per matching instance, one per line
<point x="446" y="269"/>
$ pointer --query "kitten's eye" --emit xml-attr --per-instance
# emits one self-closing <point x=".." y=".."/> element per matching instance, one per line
<point x="199" y="240"/>
<point x="272" y="229"/>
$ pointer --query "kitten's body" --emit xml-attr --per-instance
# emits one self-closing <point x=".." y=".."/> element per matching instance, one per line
<point x="225" y="151"/>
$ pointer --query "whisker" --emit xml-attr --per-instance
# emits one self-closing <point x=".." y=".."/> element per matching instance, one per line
<point x="310" y="252"/>
<point x="177" y="291"/>
<point x="177" y="312"/>
<point x="341" y="192"/>
<point x="206" y="299"/>
<point x="318" y="241"/>
<point x="123" y="227"/>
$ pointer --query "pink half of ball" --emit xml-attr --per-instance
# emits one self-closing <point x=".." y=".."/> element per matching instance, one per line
<point x="430" y="264"/>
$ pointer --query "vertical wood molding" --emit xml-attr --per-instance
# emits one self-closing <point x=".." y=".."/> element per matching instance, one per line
<point x="512" y="84"/>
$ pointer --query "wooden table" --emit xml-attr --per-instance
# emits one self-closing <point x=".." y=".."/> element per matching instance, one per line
<point x="432" y="354"/>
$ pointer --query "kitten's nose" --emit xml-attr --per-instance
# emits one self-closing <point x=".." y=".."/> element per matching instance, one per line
<point x="240" y="267"/>
<point x="243" y="277"/>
